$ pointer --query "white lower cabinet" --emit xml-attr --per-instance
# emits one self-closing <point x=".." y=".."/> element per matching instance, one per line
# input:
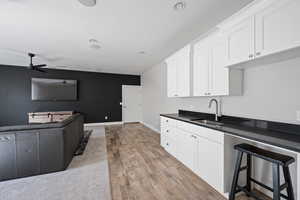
<point x="200" y="149"/>
<point x="188" y="146"/>
<point x="211" y="163"/>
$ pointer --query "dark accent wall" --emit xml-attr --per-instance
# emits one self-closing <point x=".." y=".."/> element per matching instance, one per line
<point x="99" y="94"/>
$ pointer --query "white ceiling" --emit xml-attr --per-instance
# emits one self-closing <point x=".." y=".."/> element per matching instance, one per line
<point x="59" y="30"/>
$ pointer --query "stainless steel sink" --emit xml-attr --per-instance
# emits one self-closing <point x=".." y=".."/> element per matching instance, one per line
<point x="208" y="122"/>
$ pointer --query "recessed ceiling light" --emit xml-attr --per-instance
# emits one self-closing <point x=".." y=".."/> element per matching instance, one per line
<point x="180" y="5"/>
<point x="95" y="46"/>
<point x="88" y="3"/>
<point x="93" y="41"/>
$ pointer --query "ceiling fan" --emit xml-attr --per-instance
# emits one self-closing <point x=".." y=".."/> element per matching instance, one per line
<point x="35" y="67"/>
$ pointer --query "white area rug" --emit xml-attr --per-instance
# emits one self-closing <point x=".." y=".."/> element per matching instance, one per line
<point x="86" y="178"/>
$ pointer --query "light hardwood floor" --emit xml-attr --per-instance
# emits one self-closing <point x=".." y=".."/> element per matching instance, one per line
<point x="140" y="169"/>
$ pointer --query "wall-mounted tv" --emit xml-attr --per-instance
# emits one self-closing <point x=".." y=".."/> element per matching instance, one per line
<point x="53" y="89"/>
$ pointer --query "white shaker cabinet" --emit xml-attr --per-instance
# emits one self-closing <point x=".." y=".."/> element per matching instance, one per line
<point x="201" y="67"/>
<point x="277" y="27"/>
<point x="188" y="154"/>
<point x="273" y="27"/>
<point x="210" y="77"/>
<point x="178" y="73"/>
<point x="240" y="42"/>
<point x="210" y="165"/>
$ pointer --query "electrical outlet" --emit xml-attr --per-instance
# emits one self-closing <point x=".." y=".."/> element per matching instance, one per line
<point x="298" y="115"/>
<point x="106" y="117"/>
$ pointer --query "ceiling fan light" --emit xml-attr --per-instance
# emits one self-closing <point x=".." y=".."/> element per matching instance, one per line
<point x="88" y="3"/>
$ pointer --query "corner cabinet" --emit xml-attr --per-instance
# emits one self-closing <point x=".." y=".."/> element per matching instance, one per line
<point x="210" y="77"/>
<point x="178" y="73"/>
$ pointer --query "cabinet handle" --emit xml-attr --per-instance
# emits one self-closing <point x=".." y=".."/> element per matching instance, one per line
<point x="258" y="53"/>
<point x="251" y="56"/>
<point x="193" y="136"/>
<point x="167" y="131"/>
<point x="167" y="120"/>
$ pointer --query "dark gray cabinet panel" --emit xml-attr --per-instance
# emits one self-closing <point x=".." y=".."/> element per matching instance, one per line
<point x="51" y="151"/>
<point x="7" y="157"/>
<point x="27" y="153"/>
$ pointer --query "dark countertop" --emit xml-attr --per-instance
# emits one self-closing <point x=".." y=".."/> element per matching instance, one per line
<point x="39" y="126"/>
<point x="283" y="135"/>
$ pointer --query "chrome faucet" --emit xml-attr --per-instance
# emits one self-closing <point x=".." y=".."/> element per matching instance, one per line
<point x="217" y="108"/>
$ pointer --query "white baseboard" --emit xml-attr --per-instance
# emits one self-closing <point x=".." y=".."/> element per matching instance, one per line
<point x="151" y="127"/>
<point x="102" y="124"/>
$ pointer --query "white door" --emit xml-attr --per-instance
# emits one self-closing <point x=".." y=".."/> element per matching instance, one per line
<point x="131" y="103"/>
<point x="219" y="73"/>
<point x="240" y="41"/>
<point x="201" y="64"/>
<point x="277" y="27"/>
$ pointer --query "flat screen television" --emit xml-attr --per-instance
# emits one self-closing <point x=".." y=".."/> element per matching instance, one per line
<point x="53" y="89"/>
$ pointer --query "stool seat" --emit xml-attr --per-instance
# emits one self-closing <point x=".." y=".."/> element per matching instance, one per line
<point x="270" y="156"/>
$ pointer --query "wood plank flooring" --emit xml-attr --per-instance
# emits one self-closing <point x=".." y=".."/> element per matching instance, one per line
<point x="140" y="169"/>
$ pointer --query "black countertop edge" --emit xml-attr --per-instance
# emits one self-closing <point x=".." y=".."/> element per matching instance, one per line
<point x="252" y="129"/>
<point x="39" y="125"/>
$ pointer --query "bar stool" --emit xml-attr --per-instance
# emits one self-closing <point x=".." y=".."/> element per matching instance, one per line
<point x="276" y="159"/>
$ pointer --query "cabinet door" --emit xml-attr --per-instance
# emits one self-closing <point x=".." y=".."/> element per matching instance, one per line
<point x="51" y="151"/>
<point x="211" y="163"/>
<point x="219" y="77"/>
<point x="183" y="71"/>
<point x="172" y="77"/>
<point x="7" y="157"/>
<point x="201" y="64"/>
<point x="188" y="150"/>
<point x="277" y="27"/>
<point x="27" y="154"/>
<point x="240" y="41"/>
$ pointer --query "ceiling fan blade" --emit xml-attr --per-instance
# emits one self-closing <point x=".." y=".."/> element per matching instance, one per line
<point x="40" y="66"/>
<point x="39" y="70"/>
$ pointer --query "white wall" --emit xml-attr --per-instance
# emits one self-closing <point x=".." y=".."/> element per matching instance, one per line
<point x="271" y="92"/>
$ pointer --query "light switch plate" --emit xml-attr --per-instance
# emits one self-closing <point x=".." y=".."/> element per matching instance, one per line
<point x="298" y="115"/>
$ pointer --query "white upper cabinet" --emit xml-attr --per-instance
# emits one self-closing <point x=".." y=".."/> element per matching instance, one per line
<point x="219" y="75"/>
<point x="178" y="70"/>
<point x="210" y="77"/>
<point x="171" y="77"/>
<point x="273" y="27"/>
<point x="201" y="65"/>
<point x="277" y="27"/>
<point x="240" y="41"/>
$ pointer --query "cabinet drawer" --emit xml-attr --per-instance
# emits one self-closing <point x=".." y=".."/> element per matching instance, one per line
<point x="167" y="122"/>
<point x="210" y="134"/>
